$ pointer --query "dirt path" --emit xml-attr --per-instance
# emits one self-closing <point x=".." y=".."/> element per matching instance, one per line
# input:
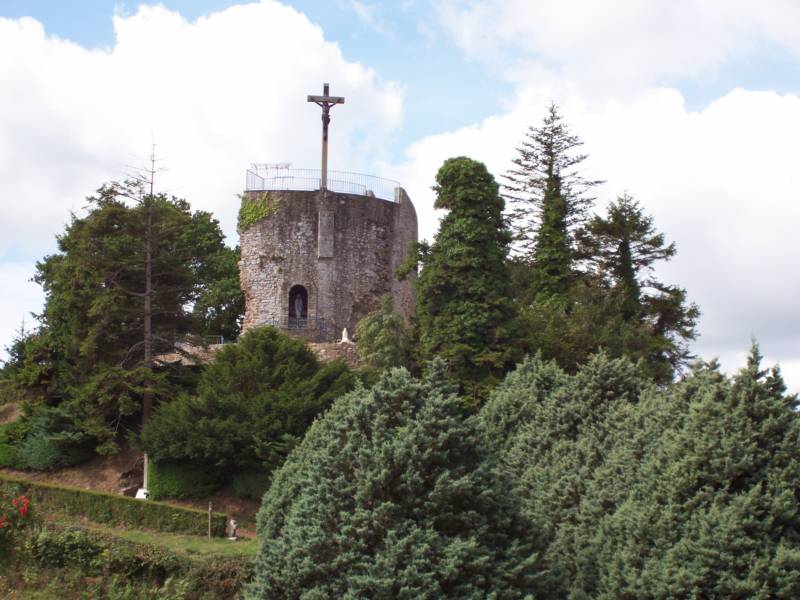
<point x="101" y="473"/>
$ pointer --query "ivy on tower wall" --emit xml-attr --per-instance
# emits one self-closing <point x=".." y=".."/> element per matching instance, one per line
<point x="253" y="210"/>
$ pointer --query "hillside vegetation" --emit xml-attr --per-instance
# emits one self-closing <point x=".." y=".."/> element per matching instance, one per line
<point x="539" y="429"/>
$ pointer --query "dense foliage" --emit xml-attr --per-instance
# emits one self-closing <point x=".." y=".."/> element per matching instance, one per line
<point x="463" y="311"/>
<point x="254" y="402"/>
<point x="383" y="338"/>
<point x="391" y="495"/>
<point x="583" y="284"/>
<point x="85" y="360"/>
<point x="641" y="492"/>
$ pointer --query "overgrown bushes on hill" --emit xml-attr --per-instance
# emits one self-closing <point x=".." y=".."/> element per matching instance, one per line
<point x="688" y="491"/>
<point x="254" y="402"/>
<point x="391" y="495"/>
<point x="95" y="554"/>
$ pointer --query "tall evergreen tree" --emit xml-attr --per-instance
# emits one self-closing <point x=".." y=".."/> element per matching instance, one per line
<point x="463" y="310"/>
<point x="622" y="248"/>
<point x="549" y="200"/>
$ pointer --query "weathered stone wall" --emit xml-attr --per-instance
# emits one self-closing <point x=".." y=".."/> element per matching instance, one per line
<point x="330" y="351"/>
<point x="343" y="248"/>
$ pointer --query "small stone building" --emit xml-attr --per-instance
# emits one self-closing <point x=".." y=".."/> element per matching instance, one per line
<point x="316" y="261"/>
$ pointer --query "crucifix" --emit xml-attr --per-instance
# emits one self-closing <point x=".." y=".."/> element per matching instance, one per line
<point x="325" y="102"/>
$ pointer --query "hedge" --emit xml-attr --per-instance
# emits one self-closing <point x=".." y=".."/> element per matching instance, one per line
<point x="181" y="480"/>
<point x="112" y="509"/>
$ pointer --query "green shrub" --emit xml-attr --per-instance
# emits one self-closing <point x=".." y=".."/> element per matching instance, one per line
<point x="54" y="440"/>
<point x="182" y="480"/>
<point x="254" y="402"/>
<point x="42" y="452"/>
<point x="251" y="484"/>
<point x="112" y="509"/>
<point x="69" y="547"/>
<point x="8" y="456"/>
<point x="92" y="553"/>
<point x="11" y="435"/>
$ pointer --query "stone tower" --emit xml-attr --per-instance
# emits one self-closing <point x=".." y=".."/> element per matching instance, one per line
<point x="316" y="261"/>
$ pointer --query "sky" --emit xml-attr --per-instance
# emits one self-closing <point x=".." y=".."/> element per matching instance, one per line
<point x="690" y="106"/>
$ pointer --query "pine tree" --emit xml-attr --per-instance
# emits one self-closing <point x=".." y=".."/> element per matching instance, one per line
<point x="463" y="310"/>
<point x="622" y="248"/>
<point x="549" y="199"/>
<point x="391" y="495"/>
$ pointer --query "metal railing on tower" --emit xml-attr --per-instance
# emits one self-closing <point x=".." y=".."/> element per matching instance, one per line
<point x="280" y="177"/>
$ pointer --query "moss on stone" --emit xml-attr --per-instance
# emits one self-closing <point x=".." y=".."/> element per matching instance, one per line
<point x="253" y="210"/>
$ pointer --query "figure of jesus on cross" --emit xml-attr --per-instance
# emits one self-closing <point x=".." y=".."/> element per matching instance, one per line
<point x="325" y="102"/>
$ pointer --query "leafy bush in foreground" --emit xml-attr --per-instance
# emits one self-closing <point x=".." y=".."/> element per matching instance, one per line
<point x="131" y="569"/>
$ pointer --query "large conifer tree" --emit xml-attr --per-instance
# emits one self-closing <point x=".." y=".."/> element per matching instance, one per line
<point x="636" y="491"/>
<point x="463" y="306"/>
<point x="549" y="200"/>
<point x="392" y="495"/>
<point x="622" y="248"/>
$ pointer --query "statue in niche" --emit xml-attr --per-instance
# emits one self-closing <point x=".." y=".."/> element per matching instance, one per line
<point x="298" y="306"/>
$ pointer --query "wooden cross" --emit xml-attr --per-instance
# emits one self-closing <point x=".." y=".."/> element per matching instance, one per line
<point x="325" y="102"/>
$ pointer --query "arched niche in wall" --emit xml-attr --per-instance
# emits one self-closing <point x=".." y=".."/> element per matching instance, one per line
<point x="298" y="306"/>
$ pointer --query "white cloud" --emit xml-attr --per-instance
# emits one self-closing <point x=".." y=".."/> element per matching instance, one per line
<point x="621" y="42"/>
<point x="368" y="14"/>
<point x="721" y="182"/>
<point x="215" y="95"/>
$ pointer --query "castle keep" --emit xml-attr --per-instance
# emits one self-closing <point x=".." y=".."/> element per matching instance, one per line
<point x="315" y="261"/>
